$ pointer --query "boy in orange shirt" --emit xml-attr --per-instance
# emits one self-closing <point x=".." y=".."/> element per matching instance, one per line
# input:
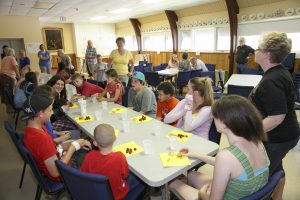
<point x="166" y="102"/>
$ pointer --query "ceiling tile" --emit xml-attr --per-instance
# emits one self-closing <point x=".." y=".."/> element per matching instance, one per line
<point x="37" y="11"/>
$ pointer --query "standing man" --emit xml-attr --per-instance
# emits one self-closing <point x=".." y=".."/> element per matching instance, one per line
<point x="66" y="60"/>
<point x="90" y="57"/>
<point x="242" y="55"/>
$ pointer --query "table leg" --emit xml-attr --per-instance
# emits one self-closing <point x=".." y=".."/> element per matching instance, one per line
<point x="165" y="195"/>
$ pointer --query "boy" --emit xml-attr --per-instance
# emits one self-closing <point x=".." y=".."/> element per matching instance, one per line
<point x="99" y="72"/>
<point x="84" y="88"/>
<point x="166" y="102"/>
<point x="37" y="110"/>
<point x="141" y="98"/>
<point x="111" y="164"/>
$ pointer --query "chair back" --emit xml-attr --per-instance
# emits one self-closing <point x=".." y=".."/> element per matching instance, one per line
<point x="13" y="135"/>
<point x="148" y="69"/>
<point x="248" y="70"/>
<point x="266" y="192"/>
<point x="10" y="96"/>
<point x="239" y="90"/>
<point x="157" y="68"/>
<point x="143" y="63"/>
<point x="183" y="78"/>
<point x="164" y="66"/>
<point x="210" y="74"/>
<point x="289" y="62"/>
<point x="49" y="186"/>
<point x="213" y="134"/>
<point x="152" y="79"/>
<point x="81" y="185"/>
<point x="196" y="73"/>
<point x="210" y="67"/>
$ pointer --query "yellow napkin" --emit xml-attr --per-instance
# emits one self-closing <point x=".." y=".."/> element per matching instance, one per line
<point x="83" y="118"/>
<point x="74" y="105"/>
<point x="116" y="132"/>
<point x="171" y="159"/>
<point x="138" y="119"/>
<point x="117" y="110"/>
<point x="129" y="148"/>
<point x="181" y="135"/>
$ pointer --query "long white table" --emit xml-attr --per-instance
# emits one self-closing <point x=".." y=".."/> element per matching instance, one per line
<point x="168" y="72"/>
<point x="147" y="167"/>
<point x="244" y="80"/>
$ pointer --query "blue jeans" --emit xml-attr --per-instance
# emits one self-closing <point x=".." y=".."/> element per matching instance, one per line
<point x="240" y="68"/>
<point x="136" y="187"/>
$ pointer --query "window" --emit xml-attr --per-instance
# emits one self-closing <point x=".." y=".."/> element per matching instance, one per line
<point x="186" y="40"/>
<point x="295" y="37"/>
<point x="130" y="43"/>
<point x="223" y="39"/>
<point x="251" y="40"/>
<point x="156" y="42"/>
<point x="205" y="39"/>
<point x="169" y="42"/>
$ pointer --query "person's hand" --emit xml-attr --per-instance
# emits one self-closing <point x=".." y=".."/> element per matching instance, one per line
<point x="187" y="152"/>
<point x="204" y="192"/>
<point x="84" y="144"/>
<point x="100" y="99"/>
<point x="65" y="108"/>
<point x="66" y="135"/>
<point x="129" y="74"/>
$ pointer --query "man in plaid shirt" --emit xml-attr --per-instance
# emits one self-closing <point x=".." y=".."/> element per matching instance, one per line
<point x="90" y="57"/>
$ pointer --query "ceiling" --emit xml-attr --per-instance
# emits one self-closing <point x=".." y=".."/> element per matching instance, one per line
<point x="92" y="11"/>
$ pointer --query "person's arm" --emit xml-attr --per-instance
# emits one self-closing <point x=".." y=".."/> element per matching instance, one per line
<point x="271" y="122"/>
<point x="159" y="111"/>
<point x="101" y="95"/>
<point x="116" y="97"/>
<point x="203" y="115"/>
<point x="177" y="113"/>
<point x="131" y="64"/>
<point x="205" y="158"/>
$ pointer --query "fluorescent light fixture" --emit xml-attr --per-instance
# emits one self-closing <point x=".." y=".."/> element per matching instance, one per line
<point x="150" y="1"/>
<point x="120" y="10"/>
<point x="97" y="17"/>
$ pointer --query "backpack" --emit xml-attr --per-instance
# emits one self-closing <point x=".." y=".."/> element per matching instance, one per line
<point x="20" y="96"/>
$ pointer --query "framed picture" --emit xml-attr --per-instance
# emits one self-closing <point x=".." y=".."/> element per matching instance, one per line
<point x="53" y="38"/>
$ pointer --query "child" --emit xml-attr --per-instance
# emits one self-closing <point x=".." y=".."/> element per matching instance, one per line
<point x="111" y="164"/>
<point x="141" y="98"/>
<point x="99" y="72"/>
<point x="166" y="102"/>
<point x="37" y="110"/>
<point x="240" y="169"/>
<point x="113" y="89"/>
<point x="84" y="88"/>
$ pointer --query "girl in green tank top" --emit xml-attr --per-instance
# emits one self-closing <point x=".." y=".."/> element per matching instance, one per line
<point x="240" y="169"/>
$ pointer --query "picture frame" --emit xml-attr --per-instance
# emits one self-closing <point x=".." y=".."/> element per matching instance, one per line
<point x="53" y="38"/>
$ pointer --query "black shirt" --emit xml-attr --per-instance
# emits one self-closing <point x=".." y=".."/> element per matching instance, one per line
<point x="275" y="95"/>
<point x="242" y="53"/>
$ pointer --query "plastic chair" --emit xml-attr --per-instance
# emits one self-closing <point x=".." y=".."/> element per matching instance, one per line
<point x="182" y="80"/>
<point x="210" y="67"/>
<point x="266" y="192"/>
<point x="289" y="62"/>
<point x="157" y="68"/>
<point x="248" y="70"/>
<point x="81" y="185"/>
<point x="164" y="66"/>
<point x="148" y="69"/>
<point x="239" y="90"/>
<point x="15" y="138"/>
<point x="143" y="63"/>
<point x="196" y="73"/>
<point x="44" y="184"/>
<point x="10" y="96"/>
<point x="212" y="75"/>
<point x="152" y="79"/>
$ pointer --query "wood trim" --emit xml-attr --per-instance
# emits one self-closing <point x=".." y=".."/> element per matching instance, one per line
<point x="172" y="18"/>
<point x="137" y="29"/>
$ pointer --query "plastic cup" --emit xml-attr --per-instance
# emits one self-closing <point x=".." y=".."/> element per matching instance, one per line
<point x="126" y="126"/>
<point x="94" y="99"/>
<point x="157" y="129"/>
<point x="124" y="115"/>
<point x="98" y="115"/>
<point x="104" y="104"/>
<point x="147" y="145"/>
<point x="173" y="143"/>
<point x="82" y="105"/>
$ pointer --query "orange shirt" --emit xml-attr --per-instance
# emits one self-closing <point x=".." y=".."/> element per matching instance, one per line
<point x="163" y="108"/>
<point x="8" y="66"/>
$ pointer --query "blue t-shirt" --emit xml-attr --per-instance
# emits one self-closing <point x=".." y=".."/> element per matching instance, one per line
<point x="44" y="63"/>
<point x="23" y="62"/>
<point x="49" y="127"/>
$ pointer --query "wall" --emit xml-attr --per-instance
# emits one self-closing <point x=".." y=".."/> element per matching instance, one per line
<point x="27" y="28"/>
<point x="102" y="35"/>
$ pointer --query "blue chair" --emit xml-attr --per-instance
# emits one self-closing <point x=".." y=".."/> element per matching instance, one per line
<point x="152" y="79"/>
<point x="15" y="138"/>
<point x="164" y="66"/>
<point x="210" y="67"/>
<point x="212" y="75"/>
<point x="147" y="69"/>
<point x="182" y="80"/>
<point x="44" y="184"/>
<point x="248" y="70"/>
<point x="289" y="62"/>
<point x="143" y="63"/>
<point x="196" y="73"/>
<point x="266" y="192"/>
<point x="239" y="90"/>
<point x="81" y="185"/>
<point x="157" y="68"/>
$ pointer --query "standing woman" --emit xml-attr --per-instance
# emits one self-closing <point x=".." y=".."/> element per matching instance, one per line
<point x="274" y="97"/>
<point x="194" y="112"/>
<point x="44" y="63"/>
<point x="119" y="59"/>
<point x="8" y="73"/>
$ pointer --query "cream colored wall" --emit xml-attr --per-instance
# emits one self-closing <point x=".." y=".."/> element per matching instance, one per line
<point x="27" y="28"/>
<point x="68" y="36"/>
<point x="124" y="28"/>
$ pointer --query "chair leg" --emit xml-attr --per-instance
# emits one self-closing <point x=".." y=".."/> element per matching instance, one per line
<point x="22" y="176"/>
<point x="38" y="192"/>
<point x="16" y="120"/>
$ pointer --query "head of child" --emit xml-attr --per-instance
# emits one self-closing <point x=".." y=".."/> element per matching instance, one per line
<point x="104" y="137"/>
<point x="58" y="84"/>
<point x="137" y="81"/>
<point x="201" y="90"/>
<point x="236" y="115"/>
<point x="61" y="66"/>
<point x="31" y="77"/>
<point x="24" y="71"/>
<point x="165" y="91"/>
<point x="111" y="75"/>
<point x="38" y="107"/>
<point x="184" y="56"/>
<point x="77" y="80"/>
<point x="45" y="90"/>
<point x="99" y="58"/>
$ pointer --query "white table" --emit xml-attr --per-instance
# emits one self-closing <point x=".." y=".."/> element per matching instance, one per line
<point x="147" y="167"/>
<point x="244" y="80"/>
<point x="168" y="72"/>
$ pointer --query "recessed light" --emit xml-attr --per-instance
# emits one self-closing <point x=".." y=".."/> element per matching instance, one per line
<point x="97" y="17"/>
<point x="120" y="10"/>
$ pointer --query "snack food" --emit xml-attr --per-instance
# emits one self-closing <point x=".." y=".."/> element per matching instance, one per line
<point x="143" y="118"/>
<point x="84" y="117"/>
<point x="130" y="150"/>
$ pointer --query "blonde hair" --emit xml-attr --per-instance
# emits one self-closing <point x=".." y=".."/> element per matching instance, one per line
<point x="204" y="87"/>
<point x="277" y="44"/>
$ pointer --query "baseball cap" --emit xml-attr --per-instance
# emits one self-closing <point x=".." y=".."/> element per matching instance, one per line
<point x="35" y="104"/>
<point x="138" y="75"/>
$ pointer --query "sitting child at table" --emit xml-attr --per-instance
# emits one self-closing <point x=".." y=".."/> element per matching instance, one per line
<point x="166" y="102"/>
<point x="111" y="164"/>
<point x="240" y="169"/>
<point x="140" y="98"/>
<point x="184" y="64"/>
<point x="37" y="111"/>
<point x="194" y="112"/>
<point x="99" y="72"/>
<point x="114" y="88"/>
<point x="84" y="88"/>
